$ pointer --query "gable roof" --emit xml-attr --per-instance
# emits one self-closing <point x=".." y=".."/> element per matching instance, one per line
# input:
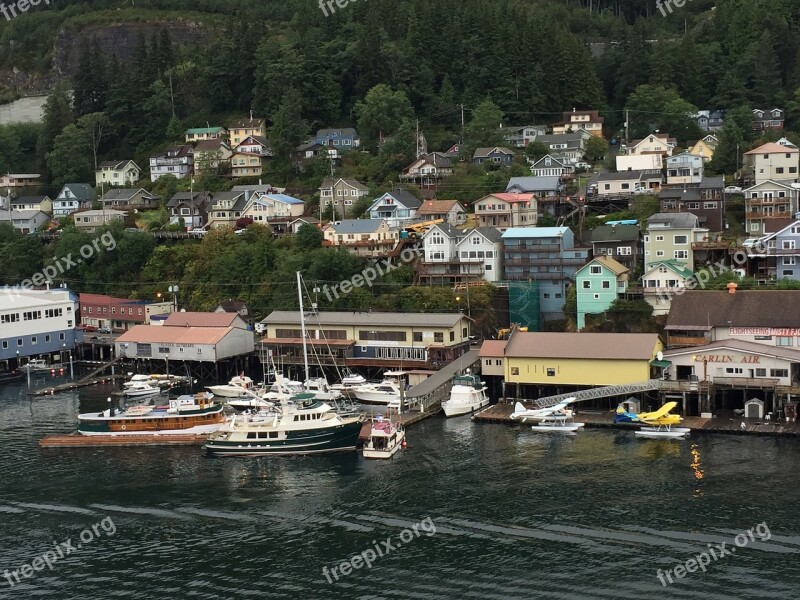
<point x="612" y="265"/>
<point x="623" y="346"/>
<point x="246" y="124"/>
<point x="202" y="130"/>
<point x="487" y="152"/>
<point x="437" y="159"/>
<point x="561" y="160"/>
<point x="181" y="197"/>
<point x="153" y="334"/>
<point x="772" y="148"/>
<point x="341" y="131"/>
<point x="127" y="194"/>
<point x="492" y="348"/>
<point x="201" y="319"/>
<point x="615" y="233"/>
<point x="775" y="234"/>
<point x="535" y="184"/>
<point x="437" y="207"/>
<point x="745" y="308"/>
<point x="534" y="232"/>
<point x="82" y="191"/>
<point x="117" y="164"/>
<point x="211" y="145"/>
<point x="405" y="198"/>
<point x="356" y="226"/>
<point x="492" y="234"/>
<point x="671" y="264"/>
<point x="674" y="220"/>
<point x="510" y="197"/>
<point x="29" y="199"/>
<point x="448" y="230"/>
<point x="329" y="182"/>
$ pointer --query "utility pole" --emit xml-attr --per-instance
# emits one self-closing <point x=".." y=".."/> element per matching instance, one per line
<point x="627" y="126"/>
<point x="418" y="152"/>
<point x="462" y="124"/>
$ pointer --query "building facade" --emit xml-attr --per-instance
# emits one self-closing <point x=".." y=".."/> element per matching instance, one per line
<point x="37" y="322"/>
<point x="599" y="284"/>
<point x="119" y="314"/>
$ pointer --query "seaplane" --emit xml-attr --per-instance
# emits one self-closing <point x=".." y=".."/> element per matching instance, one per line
<point x="523" y="414"/>
<point x="658" y="424"/>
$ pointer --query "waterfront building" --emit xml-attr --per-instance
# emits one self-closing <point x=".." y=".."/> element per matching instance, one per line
<point x="368" y="339"/>
<point x="189" y="336"/>
<point x="37" y="322"/>
<point x="579" y="359"/>
<point x="118" y="314"/>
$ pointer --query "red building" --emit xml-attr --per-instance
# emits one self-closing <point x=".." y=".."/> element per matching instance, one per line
<point x="118" y="314"/>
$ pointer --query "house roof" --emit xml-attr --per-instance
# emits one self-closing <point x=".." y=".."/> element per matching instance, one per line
<point x="712" y="182"/>
<point x="246" y="124"/>
<point x="309" y="220"/>
<point x="117" y="164"/>
<point x="329" y="182"/>
<point x="740" y="346"/>
<point x="535" y="184"/>
<point x="366" y="319"/>
<point x="238" y="199"/>
<point x="492" y="234"/>
<point x="437" y="159"/>
<point x="202" y="130"/>
<point x="260" y="188"/>
<point x="154" y="334"/>
<point x="107" y="211"/>
<point x="534" y="232"/>
<point x="201" y="319"/>
<point x="509" y="197"/>
<point x="82" y="191"/>
<point x="561" y="160"/>
<point x="492" y="349"/>
<point x="29" y="199"/>
<point x="620" y="176"/>
<point x="19" y="215"/>
<point x="342" y="131"/>
<point x="188" y="197"/>
<point x="745" y="308"/>
<point x="673" y="220"/>
<point x="357" y="226"/>
<point x="609" y="263"/>
<point x="405" y="198"/>
<point x="615" y="233"/>
<point x="210" y="145"/>
<point x="772" y="148"/>
<point x="679" y="193"/>
<point x="446" y="229"/>
<point x="572" y="140"/>
<point x="673" y="265"/>
<point x="232" y="306"/>
<point x="127" y="194"/>
<point x="603" y="346"/>
<point x="487" y="152"/>
<point x="280" y="198"/>
<point x="438" y="207"/>
<point x="105" y="299"/>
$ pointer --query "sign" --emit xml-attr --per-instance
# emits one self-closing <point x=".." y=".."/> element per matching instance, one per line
<point x="778" y="331"/>
<point x="725" y="358"/>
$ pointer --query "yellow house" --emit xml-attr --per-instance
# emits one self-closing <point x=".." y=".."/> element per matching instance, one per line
<point x="580" y="359"/>
<point x="704" y="147"/>
<point x="241" y="129"/>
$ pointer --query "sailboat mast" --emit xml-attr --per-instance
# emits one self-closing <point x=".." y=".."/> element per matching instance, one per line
<point x="302" y="323"/>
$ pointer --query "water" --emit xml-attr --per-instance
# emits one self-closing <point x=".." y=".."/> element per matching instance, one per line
<point x="516" y="515"/>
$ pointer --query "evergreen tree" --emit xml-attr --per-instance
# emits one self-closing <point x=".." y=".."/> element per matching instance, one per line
<point x="56" y="115"/>
<point x="288" y="128"/>
<point x="483" y="129"/>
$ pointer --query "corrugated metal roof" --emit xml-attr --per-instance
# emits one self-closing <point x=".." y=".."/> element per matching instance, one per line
<point x="587" y="346"/>
<point x="157" y="334"/>
<point x="381" y="319"/>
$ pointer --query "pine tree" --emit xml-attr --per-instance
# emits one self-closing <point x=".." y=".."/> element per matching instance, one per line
<point x="57" y="114"/>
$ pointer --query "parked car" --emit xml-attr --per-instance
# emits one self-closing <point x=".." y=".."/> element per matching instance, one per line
<point x="583" y="165"/>
<point x="86" y="327"/>
<point x="733" y="189"/>
<point x="103" y="330"/>
<point x="198" y="232"/>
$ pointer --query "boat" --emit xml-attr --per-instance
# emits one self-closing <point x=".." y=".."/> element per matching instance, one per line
<point x="190" y="414"/>
<point x="302" y="425"/>
<point x="467" y="395"/>
<point x="238" y="387"/>
<point x="349" y="381"/>
<point x="321" y="390"/>
<point x="385" y="393"/>
<point x="164" y="381"/>
<point x="141" y="388"/>
<point x="11" y="376"/>
<point x="674" y="429"/>
<point x="39" y="364"/>
<point x="385" y="439"/>
<point x="556" y="424"/>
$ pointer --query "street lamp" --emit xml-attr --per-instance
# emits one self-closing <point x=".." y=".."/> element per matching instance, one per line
<point x="173" y="289"/>
<point x="458" y="299"/>
<point x="71" y="373"/>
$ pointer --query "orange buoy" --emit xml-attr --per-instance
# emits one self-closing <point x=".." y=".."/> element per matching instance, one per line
<point x="404" y="444"/>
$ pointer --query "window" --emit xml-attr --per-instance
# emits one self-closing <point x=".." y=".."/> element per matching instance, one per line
<point x="417" y="336"/>
<point x="595" y="270"/>
<point x="5" y="344"/>
<point x="659" y="253"/>
<point x="597" y="296"/>
<point x="438" y="337"/>
<point x="19" y="341"/>
<point x="515" y="370"/>
<point x="761" y="372"/>
<point x="163" y="350"/>
<point x="61" y="337"/>
<point x="46" y="339"/>
<point x="659" y="238"/>
<point x="587" y="285"/>
<point x="788" y="260"/>
<point x="783" y="340"/>
<point x="624" y="251"/>
<point x="680" y="239"/>
<point x="779" y="372"/>
<point x="383" y="336"/>
<point x="681" y="254"/>
<point x="734" y="370"/>
<point x="606" y="285"/>
<point x="547" y="296"/>
<point x="551" y="372"/>
<point x="709" y="205"/>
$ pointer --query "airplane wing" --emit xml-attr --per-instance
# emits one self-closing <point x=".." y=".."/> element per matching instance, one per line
<point x="661" y="412"/>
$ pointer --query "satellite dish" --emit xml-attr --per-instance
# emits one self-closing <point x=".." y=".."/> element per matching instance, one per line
<point x="660" y="355"/>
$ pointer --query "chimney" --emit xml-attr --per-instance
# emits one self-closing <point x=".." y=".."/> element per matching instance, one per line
<point x="732" y="288"/>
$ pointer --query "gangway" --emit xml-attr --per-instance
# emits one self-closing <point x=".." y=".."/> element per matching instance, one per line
<point x="600" y="392"/>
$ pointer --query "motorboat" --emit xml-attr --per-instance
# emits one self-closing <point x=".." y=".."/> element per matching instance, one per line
<point x="39" y="365"/>
<point x="141" y="388"/>
<point x="11" y="376"/>
<point x="302" y="425"/>
<point x="673" y="429"/>
<point x="385" y="439"/>
<point x="188" y="414"/>
<point x="162" y="381"/>
<point x="467" y="395"/>
<point x="556" y="424"/>
<point x="238" y="387"/>
<point x="321" y="390"/>
<point x="385" y="393"/>
<point x="249" y="402"/>
<point x="349" y="381"/>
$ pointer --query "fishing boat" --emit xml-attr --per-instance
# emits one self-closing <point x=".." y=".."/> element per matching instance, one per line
<point x="302" y="425"/>
<point x="188" y="414"/>
<point x="556" y="424"/>
<point x="385" y="439"/>
<point x="467" y="395"/>
<point x="238" y="387"/>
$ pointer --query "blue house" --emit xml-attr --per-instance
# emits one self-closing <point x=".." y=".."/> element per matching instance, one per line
<point x="777" y="255"/>
<point x="344" y="138"/>
<point x="497" y="155"/>
<point x="547" y="256"/>
<point x="398" y="208"/>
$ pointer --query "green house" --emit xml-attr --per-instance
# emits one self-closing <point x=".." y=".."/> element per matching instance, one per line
<point x="599" y="282"/>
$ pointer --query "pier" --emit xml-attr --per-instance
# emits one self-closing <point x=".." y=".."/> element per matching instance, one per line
<point x="723" y="423"/>
<point x="91" y="378"/>
<point x="76" y="440"/>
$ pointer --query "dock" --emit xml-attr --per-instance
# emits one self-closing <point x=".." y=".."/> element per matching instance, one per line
<point x="76" y="440"/>
<point x="92" y="378"/>
<point x="501" y="413"/>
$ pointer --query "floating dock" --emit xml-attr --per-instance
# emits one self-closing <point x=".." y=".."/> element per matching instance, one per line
<point x="77" y="440"/>
<point x="501" y="413"/>
<point x="73" y="385"/>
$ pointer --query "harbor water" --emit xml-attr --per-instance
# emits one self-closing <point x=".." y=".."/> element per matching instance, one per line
<point x="467" y="511"/>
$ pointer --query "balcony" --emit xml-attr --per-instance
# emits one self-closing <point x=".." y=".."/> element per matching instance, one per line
<point x="768" y="215"/>
<point x="533" y="249"/>
<point x="717" y="245"/>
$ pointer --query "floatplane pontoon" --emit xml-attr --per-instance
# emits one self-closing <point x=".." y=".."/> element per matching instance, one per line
<point x="557" y="424"/>
<point x="660" y="424"/>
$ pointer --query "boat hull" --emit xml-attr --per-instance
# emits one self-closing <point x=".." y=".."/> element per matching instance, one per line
<point x="336" y="438"/>
<point x="229" y="391"/>
<point x="200" y="421"/>
<point x="674" y="435"/>
<point x="571" y="428"/>
<point x="463" y="406"/>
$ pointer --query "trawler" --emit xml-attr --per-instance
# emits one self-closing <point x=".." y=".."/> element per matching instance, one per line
<point x="467" y="395"/>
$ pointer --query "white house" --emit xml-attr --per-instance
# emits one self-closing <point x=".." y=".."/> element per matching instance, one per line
<point x="270" y="207"/>
<point x="552" y="166"/>
<point x="72" y="197"/>
<point x="454" y="255"/>
<point x="177" y="161"/>
<point x="685" y="169"/>
<point x="26" y="221"/>
<point x="661" y="280"/>
<point x="117" y="172"/>
<point x="773" y="162"/>
<point x="399" y="208"/>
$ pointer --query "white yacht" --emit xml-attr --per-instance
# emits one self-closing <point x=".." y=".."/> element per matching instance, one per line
<point x="386" y="393"/>
<point x="321" y="390"/>
<point x="385" y="439"/>
<point x="141" y="388"/>
<point x="349" y="381"/>
<point x="467" y="395"/>
<point x="238" y="387"/>
<point x="39" y="364"/>
<point x="302" y="425"/>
